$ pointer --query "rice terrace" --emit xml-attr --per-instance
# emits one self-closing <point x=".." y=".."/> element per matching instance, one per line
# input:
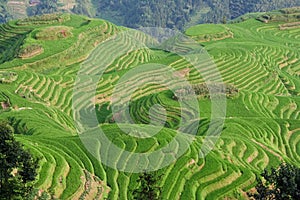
<point x="257" y="56"/>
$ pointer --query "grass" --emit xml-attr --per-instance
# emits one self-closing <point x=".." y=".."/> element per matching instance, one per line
<point x="261" y="125"/>
<point x="208" y="32"/>
<point x="205" y="29"/>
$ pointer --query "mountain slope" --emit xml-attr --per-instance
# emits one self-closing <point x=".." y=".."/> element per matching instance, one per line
<point x="260" y="60"/>
<point x="172" y="14"/>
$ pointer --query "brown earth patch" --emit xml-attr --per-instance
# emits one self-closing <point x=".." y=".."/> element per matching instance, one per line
<point x="288" y="26"/>
<point x="5" y="105"/>
<point x="183" y="73"/>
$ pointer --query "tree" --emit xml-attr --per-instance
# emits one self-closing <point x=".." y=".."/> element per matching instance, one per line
<point x="84" y="7"/>
<point x="281" y="183"/>
<point x="17" y="166"/>
<point x="148" y="188"/>
<point x="224" y="20"/>
<point x="44" y="7"/>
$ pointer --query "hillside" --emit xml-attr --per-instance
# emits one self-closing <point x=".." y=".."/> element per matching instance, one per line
<point x="178" y="14"/>
<point x="259" y="62"/>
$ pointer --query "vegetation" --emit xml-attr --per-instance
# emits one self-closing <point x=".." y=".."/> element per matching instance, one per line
<point x="205" y="29"/>
<point x="287" y="15"/>
<point x="204" y="90"/>
<point x="208" y="32"/>
<point x="281" y="183"/>
<point x="178" y="14"/>
<point x="30" y="51"/>
<point x="18" y="167"/>
<point x="84" y="7"/>
<point x="259" y="66"/>
<point x="4" y="13"/>
<point x="7" y="77"/>
<point x="54" y="33"/>
<point x="43" y="7"/>
<point x="148" y="187"/>
<point x="44" y="19"/>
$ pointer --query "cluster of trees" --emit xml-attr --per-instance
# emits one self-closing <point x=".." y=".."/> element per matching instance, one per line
<point x="148" y="188"/>
<point x="18" y="168"/>
<point x="43" y="7"/>
<point x="84" y="7"/>
<point x="279" y="183"/>
<point x="176" y="14"/>
<point x="240" y="7"/>
<point x="4" y="14"/>
<point x="205" y="91"/>
<point x="147" y="13"/>
<point x="168" y="13"/>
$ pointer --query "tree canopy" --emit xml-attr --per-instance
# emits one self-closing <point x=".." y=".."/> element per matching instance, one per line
<point x="148" y="188"/>
<point x="44" y="7"/>
<point x="171" y="14"/>
<point x="17" y="166"/>
<point x="281" y="183"/>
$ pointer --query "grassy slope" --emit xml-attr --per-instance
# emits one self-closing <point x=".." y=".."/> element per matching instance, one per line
<point x="261" y="129"/>
<point x="204" y="29"/>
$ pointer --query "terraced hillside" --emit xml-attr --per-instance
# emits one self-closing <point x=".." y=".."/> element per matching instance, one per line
<point x="259" y="60"/>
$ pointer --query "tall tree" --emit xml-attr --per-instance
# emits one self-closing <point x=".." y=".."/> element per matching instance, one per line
<point x="17" y="166"/>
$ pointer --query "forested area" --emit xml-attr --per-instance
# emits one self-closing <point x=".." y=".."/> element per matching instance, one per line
<point x="178" y="13"/>
<point x="4" y="14"/>
<point x="168" y="13"/>
<point x="44" y="7"/>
